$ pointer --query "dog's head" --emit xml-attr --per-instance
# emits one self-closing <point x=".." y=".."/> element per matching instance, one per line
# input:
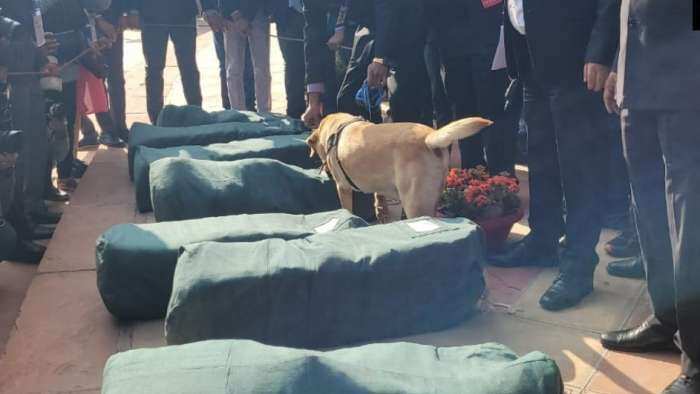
<point x="319" y="138"/>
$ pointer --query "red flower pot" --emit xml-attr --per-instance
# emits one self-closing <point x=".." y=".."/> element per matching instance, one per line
<point x="497" y="229"/>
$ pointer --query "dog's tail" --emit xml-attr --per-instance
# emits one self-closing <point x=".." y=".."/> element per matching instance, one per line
<point x="456" y="131"/>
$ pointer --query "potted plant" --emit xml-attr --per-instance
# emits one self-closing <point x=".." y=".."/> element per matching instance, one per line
<point x="490" y="201"/>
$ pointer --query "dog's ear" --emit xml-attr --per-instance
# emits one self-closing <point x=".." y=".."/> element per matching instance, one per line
<point x="311" y="142"/>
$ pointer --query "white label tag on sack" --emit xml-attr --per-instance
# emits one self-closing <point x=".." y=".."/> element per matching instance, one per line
<point x="328" y="227"/>
<point x="423" y="226"/>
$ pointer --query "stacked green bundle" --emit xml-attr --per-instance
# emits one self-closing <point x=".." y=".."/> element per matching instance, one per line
<point x="246" y="367"/>
<point x="290" y="149"/>
<point x="332" y="289"/>
<point x="190" y="115"/>
<point x="191" y="189"/>
<point x="136" y="262"/>
<point x="165" y="137"/>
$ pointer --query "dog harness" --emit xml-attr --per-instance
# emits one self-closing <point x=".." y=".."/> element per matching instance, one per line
<point x="332" y="144"/>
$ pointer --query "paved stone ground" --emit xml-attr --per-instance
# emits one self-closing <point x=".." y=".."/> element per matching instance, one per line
<point x="63" y="334"/>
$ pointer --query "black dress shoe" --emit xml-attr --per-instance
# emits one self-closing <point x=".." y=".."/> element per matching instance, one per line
<point x="624" y="245"/>
<point x="47" y="217"/>
<point x="648" y="337"/>
<point x="628" y="268"/>
<point x="568" y="290"/>
<point x="684" y="385"/>
<point x="107" y="139"/>
<point x="526" y="253"/>
<point x="28" y="252"/>
<point x="42" y="232"/>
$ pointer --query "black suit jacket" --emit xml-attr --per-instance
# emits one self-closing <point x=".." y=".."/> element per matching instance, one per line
<point x="562" y="35"/>
<point x="659" y="60"/>
<point x="465" y="27"/>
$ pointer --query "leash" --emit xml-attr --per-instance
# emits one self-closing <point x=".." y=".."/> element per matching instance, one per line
<point x="63" y="67"/>
<point x="183" y="26"/>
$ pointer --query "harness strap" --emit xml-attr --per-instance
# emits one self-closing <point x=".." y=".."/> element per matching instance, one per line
<point x="332" y="143"/>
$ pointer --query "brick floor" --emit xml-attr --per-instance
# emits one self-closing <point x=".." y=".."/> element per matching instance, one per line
<point x="63" y="335"/>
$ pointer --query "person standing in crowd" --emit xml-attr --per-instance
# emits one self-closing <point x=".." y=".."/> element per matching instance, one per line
<point x="211" y="12"/>
<point x="33" y="162"/>
<point x="397" y="56"/>
<point x="562" y="53"/>
<point x="247" y="23"/>
<point x="288" y="16"/>
<point x="112" y="24"/>
<point x="66" y="20"/>
<point x="656" y="89"/>
<point x="161" y="21"/>
<point x="17" y="229"/>
<point x="467" y="33"/>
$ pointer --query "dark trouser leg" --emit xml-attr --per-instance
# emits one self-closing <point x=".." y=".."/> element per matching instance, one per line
<point x="501" y="138"/>
<point x="355" y="76"/>
<point x="115" y="83"/>
<point x="409" y="90"/>
<point x="249" y="80"/>
<point x="65" y="166"/>
<point x="155" y="46"/>
<point x="442" y="111"/>
<point x="294" y="67"/>
<point x="221" y="56"/>
<point x="459" y="82"/>
<point x="618" y="181"/>
<point x="582" y="134"/>
<point x="546" y="195"/>
<point x="680" y="143"/>
<point x="647" y="177"/>
<point x="185" y="43"/>
<point x="28" y="114"/>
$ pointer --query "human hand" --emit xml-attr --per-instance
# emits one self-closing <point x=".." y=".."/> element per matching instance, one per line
<point x="106" y="28"/>
<point x="314" y="112"/>
<point x="50" y="46"/>
<point x="377" y="74"/>
<point x="50" y="70"/>
<point x="240" y="23"/>
<point x="610" y="93"/>
<point x="336" y="41"/>
<point x="214" y="20"/>
<point x="595" y="75"/>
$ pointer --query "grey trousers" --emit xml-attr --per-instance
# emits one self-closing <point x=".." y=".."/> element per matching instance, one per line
<point x="663" y="156"/>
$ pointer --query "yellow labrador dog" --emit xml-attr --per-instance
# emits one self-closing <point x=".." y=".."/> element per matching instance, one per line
<point x="407" y="162"/>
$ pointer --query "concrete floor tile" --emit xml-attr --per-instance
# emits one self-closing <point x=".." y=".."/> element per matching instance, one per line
<point x="575" y="352"/>
<point x="64" y="336"/>
<point x="14" y="282"/>
<point x="622" y="373"/>
<point x="104" y="184"/>
<point x="73" y="245"/>
<point x="506" y="285"/>
<point x="606" y="309"/>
